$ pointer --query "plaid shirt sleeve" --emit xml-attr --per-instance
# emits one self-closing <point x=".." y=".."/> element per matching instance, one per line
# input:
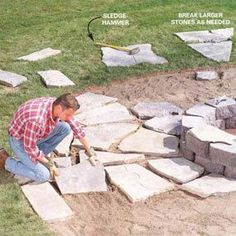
<point x="31" y="132"/>
<point x="76" y="128"/>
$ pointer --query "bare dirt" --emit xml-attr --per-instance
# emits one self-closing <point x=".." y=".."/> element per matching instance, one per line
<point x="173" y="213"/>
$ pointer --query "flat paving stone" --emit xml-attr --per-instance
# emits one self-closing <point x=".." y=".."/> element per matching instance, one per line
<point x="62" y="162"/>
<point x="108" y="158"/>
<point x="102" y="137"/>
<point x="211" y="184"/>
<point x="39" y="55"/>
<point x="177" y="169"/>
<point x="146" y="110"/>
<point x="230" y="123"/>
<point x="226" y="32"/>
<point x="206" y="75"/>
<point x="46" y="202"/>
<point x="136" y="182"/>
<point x="90" y="101"/>
<point x="215" y="51"/>
<point x="151" y="143"/>
<point x="189" y="122"/>
<point x="11" y="79"/>
<point x="112" y="57"/>
<point x="221" y="101"/>
<point x="110" y="113"/>
<point x="82" y="178"/>
<point x="54" y="78"/>
<point x="63" y="148"/>
<point x="166" y="124"/>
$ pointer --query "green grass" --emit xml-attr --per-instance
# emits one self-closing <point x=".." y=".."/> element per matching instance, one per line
<point x="30" y="25"/>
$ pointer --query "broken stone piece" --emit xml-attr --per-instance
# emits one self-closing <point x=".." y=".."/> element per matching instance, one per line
<point x="11" y="79"/>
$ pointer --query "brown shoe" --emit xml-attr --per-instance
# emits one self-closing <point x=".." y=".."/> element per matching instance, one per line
<point x="3" y="156"/>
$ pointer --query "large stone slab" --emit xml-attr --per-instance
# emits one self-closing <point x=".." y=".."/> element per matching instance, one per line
<point x="62" y="162"/>
<point x="230" y="172"/>
<point x="206" y="75"/>
<point x="102" y="137"/>
<point x="54" y="78"/>
<point x="112" y="57"/>
<point x="226" y="32"/>
<point x="39" y="55"/>
<point x="11" y="79"/>
<point x="221" y="102"/>
<point x="230" y="123"/>
<point x="110" y="113"/>
<point x="136" y="182"/>
<point x="177" y="169"/>
<point x="82" y="178"/>
<point x="90" y="101"/>
<point x="216" y="51"/>
<point x="108" y="158"/>
<point x="151" y="143"/>
<point x="46" y="202"/>
<point x="167" y="124"/>
<point x="211" y="184"/>
<point x="63" y="148"/>
<point x="146" y="110"/>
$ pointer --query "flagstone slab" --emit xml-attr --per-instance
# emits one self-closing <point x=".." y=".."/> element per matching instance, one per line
<point x="221" y="102"/>
<point x="216" y="51"/>
<point x="112" y="57"/>
<point x="90" y="101"/>
<point x="108" y="158"/>
<point x="146" y="110"/>
<point x="39" y="55"/>
<point x="11" y="79"/>
<point x="136" y="182"/>
<point x="151" y="143"/>
<point x="54" y="78"/>
<point x="102" y="137"/>
<point x="110" y="113"/>
<point x="82" y="178"/>
<point x="63" y="148"/>
<point x="230" y="123"/>
<point x="206" y="75"/>
<point x="46" y="202"/>
<point x="62" y="162"/>
<point x="211" y="184"/>
<point x="226" y="32"/>
<point x="177" y="169"/>
<point x="166" y="124"/>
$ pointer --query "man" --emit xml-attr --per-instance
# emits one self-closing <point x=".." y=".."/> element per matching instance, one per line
<point x="35" y="130"/>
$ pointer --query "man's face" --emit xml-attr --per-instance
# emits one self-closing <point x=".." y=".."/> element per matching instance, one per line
<point x="65" y="114"/>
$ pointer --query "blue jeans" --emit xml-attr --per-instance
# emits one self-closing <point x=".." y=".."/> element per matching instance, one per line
<point x="24" y="166"/>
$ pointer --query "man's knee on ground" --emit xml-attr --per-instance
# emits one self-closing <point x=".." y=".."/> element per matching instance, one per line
<point x="64" y="127"/>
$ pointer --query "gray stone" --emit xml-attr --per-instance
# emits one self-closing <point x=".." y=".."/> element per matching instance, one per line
<point x="167" y="124"/>
<point x="63" y="162"/>
<point x="226" y="32"/>
<point x="209" y="165"/>
<point x="146" y="110"/>
<point x="114" y="112"/>
<point x="226" y="112"/>
<point x="215" y="51"/>
<point x="221" y="102"/>
<point x="230" y="123"/>
<point x="206" y="75"/>
<point x="11" y="79"/>
<point x="54" y="78"/>
<point x="108" y="158"/>
<point x="188" y="154"/>
<point x="39" y="55"/>
<point x="82" y="178"/>
<point x="46" y="202"/>
<point x="151" y="143"/>
<point x="208" y="185"/>
<point x="90" y="101"/>
<point x="177" y="169"/>
<point x="112" y="57"/>
<point x="63" y="148"/>
<point x="230" y="172"/>
<point x="136" y="182"/>
<point x="223" y="154"/>
<point x="220" y="124"/>
<point x="102" y="137"/>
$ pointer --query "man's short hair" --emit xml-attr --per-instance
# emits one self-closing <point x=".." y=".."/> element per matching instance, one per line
<point x="67" y="101"/>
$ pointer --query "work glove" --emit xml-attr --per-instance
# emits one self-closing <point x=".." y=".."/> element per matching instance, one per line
<point x="52" y="168"/>
<point x="91" y="156"/>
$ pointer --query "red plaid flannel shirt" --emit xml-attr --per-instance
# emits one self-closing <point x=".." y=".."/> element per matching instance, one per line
<point x="33" y="121"/>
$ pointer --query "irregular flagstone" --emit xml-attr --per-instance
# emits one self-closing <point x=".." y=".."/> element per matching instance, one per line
<point x="166" y="124"/>
<point x="215" y="51"/>
<point x="211" y="184"/>
<point x="89" y="101"/>
<point x="145" y="110"/>
<point x="221" y="102"/>
<point x="110" y="113"/>
<point x="54" y="78"/>
<point x="46" y="202"/>
<point x="151" y="143"/>
<point x="39" y="55"/>
<point x="11" y="79"/>
<point x="178" y="169"/>
<point x="226" y="32"/>
<point x="108" y="158"/>
<point x="103" y="136"/>
<point x="230" y="172"/>
<point x="63" y="148"/>
<point x="230" y="123"/>
<point x="112" y="57"/>
<point x="62" y="162"/>
<point x="136" y="182"/>
<point x="206" y="75"/>
<point x="82" y="178"/>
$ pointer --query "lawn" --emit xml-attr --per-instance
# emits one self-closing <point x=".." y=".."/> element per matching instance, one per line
<point x="27" y="26"/>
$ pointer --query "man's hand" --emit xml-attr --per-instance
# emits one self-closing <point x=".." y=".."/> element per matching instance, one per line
<point x="91" y="156"/>
<point x="49" y="163"/>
